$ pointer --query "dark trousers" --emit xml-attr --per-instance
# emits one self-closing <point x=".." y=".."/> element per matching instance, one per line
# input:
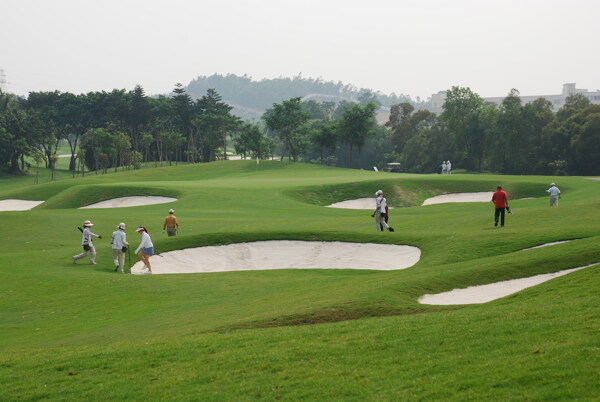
<point x="499" y="212"/>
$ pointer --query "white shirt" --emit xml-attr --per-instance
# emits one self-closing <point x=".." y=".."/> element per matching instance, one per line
<point x="146" y="242"/>
<point x="448" y="166"/>
<point x="86" y="237"/>
<point x="380" y="203"/>
<point x="119" y="239"/>
<point x="554" y="191"/>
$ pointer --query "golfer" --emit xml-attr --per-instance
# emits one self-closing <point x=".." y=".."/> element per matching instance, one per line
<point x="87" y="243"/>
<point x="380" y="212"/>
<point x="500" y="200"/>
<point x="554" y="195"/>
<point x="146" y="249"/>
<point x="119" y="247"/>
<point x="171" y="224"/>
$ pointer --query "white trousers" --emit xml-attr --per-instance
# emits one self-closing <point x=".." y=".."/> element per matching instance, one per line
<point x="119" y="259"/>
<point x="380" y="222"/>
<point x="91" y="252"/>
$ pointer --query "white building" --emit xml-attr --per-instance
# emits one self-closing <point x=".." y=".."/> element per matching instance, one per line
<point x="437" y="100"/>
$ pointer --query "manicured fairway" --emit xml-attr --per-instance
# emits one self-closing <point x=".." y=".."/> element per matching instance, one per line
<point x="83" y="332"/>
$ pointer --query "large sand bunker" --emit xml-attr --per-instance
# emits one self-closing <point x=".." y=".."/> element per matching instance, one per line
<point x="130" y="202"/>
<point x="492" y="291"/>
<point x="284" y="254"/>
<point x="18" y="205"/>
<point x="460" y="197"/>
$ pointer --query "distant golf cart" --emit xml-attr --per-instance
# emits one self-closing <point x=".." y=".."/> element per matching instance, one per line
<point x="393" y="167"/>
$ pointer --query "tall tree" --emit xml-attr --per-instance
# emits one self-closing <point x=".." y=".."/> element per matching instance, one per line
<point x="357" y="123"/>
<point x="461" y="110"/>
<point x="183" y="113"/>
<point x="213" y="123"/>
<point x="288" y="120"/>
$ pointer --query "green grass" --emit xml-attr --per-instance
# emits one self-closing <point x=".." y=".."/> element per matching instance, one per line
<point x="83" y="332"/>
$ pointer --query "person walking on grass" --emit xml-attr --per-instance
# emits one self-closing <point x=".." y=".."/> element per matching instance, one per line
<point x="119" y="247"/>
<point x="554" y="195"/>
<point x="87" y="243"/>
<point x="380" y="212"/>
<point x="171" y="224"/>
<point x="500" y="200"/>
<point x="146" y="249"/>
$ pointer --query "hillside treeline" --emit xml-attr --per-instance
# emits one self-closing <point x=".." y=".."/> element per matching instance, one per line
<point x="262" y="94"/>
<point x="125" y="128"/>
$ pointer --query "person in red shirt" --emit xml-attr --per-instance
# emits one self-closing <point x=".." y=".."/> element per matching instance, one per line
<point x="500" y="200"/>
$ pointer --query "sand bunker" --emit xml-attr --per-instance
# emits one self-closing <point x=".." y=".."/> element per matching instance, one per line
<point x="492" y="291"/>
<point x="130" y="202"/>
<point x="460" y="197"/>
<point x="359" y="203"/>
<point x="593" y="178"/>
<point x="18" y="205"/>
<point x="284" y="254"/>
<point x="547" y="244"/>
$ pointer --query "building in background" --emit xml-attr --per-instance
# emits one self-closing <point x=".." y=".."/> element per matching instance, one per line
<point x="437" y="100"/>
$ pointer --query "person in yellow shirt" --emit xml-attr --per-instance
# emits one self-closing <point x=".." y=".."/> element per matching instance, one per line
<point x="171" y="224"/>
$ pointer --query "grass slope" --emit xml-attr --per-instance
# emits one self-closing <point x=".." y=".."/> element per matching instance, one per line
<point x="80" y="331"/>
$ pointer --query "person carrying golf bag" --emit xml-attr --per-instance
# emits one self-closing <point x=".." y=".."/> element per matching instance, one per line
<point x="87" y="243"/>
<point x="380" y="212"/>
<point x="119" y="247"/>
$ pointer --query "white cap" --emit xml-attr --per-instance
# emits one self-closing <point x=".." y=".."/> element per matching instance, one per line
<point x="121" y="226"/>
<point x="171" y="211"/>
<point x="379" y="192"/>
<point x="88" y="223"/>
<point x="552" y="184"/>
<point x="140" y="229"/>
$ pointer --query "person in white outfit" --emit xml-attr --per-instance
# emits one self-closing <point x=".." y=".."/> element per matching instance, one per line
<point x="554" y="195"/>
<point x="87" y="243"/>
<point x="380" y="212"/>
<point x="444" y="167"/>
<point x="448" y="167"/>
<point x="119" y="247"/>
<point x="146" y="249"/>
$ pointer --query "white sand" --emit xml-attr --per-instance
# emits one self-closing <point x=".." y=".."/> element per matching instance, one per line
<point x="593" y="178"/>
<point x="492" y="291"/>
<point x="359" y="203"/>
<point x="284" y="254"/>
<point x="460" y="197"/>
<point x="18" y="205"/>
<point x="130" y="202"/>
<point x="547" y="244"/>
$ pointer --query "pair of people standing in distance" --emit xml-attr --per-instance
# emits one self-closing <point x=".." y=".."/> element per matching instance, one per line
<point x="500" y="200"/>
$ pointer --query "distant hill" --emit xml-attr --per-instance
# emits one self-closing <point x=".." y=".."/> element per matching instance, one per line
<point x="251" y="99"/>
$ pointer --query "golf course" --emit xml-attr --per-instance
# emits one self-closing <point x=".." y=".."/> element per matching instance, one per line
<point x="75" y="331"/>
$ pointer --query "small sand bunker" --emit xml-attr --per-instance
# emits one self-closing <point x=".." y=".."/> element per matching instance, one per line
<point x="359" y="203"/>
<point x="593" y="178"/>
<point x="460" y="197"/>
<point x="547" y="244"/>
<point x="284" y="254"/>
<point x="18" y="205"/>
<point x="492" y="291"/>
<point x="130" y="202"/>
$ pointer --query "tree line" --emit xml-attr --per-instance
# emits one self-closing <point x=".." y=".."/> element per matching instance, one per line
<point x="121" y="128"/>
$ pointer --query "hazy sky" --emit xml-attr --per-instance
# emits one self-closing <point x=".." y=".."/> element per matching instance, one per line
<point x="415" y="47"/>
